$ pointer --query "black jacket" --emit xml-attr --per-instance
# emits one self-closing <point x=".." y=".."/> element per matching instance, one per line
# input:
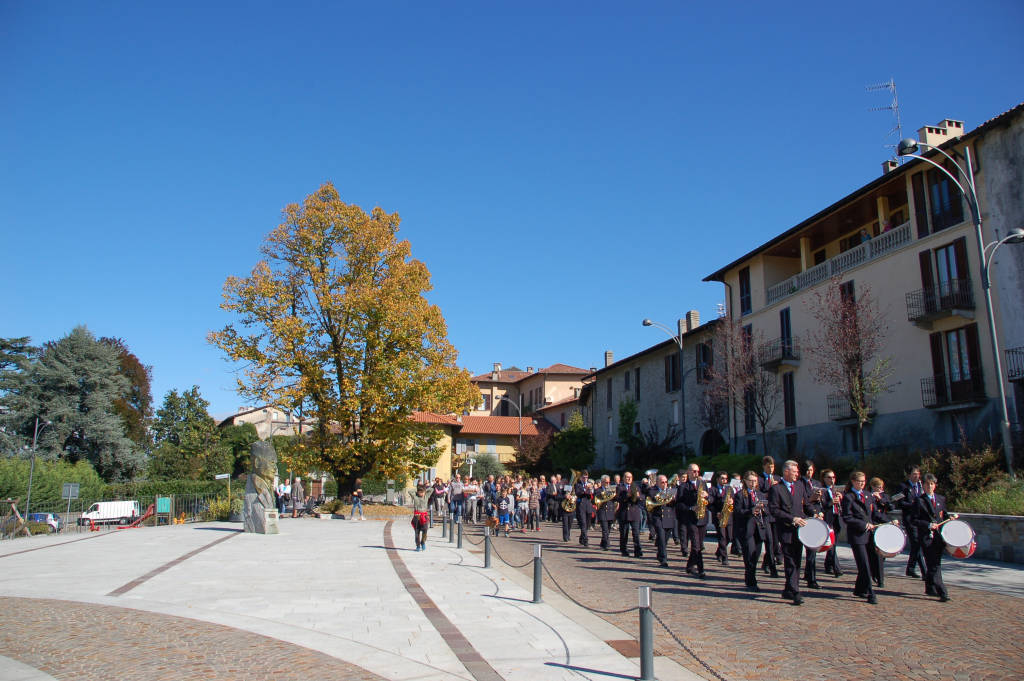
<point x="857" y="514"/>
<point x="784" y="508"/>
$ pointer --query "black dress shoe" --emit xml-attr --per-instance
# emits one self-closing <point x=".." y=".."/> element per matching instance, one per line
<point x="788" y="594"/>
<point x="872" y="600"/>
<point x="701" y="575"/>
<point x="640" y="555"/>
<point x="813" y="585"/>
<point x="944" y="598"/>
<point x="837" y="573"/>
<point x="663" y="564"/>
<point x="753" y="588"/>
<point x="930" y="592"/>
<point x="624" y="554"/>
<point x="798" y="599"/>
<point x="860" y="594"/>
<point x="881" y="584"/>
<point x="913" y="573"/>
<point x="775" y="574"/>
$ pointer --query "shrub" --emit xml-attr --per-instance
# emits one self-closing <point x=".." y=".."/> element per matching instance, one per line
<point x="963" y="473"/>
<point x="163" y="488"/>
<point x="486" y="464"/>
<point x="47" y="480"/>
<point x="730" y="463"/>
<point x="219" y="509"/>
<point x="38" y="528"/>
<point x="1003" y="497"/>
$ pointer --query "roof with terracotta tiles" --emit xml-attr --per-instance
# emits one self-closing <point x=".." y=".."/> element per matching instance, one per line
<point x="559" y="403"/>
<point x="497" y="425"/>
<point x="431" y="417"/>
<point x="563" y="369"/>
<point x="515" y="375"/>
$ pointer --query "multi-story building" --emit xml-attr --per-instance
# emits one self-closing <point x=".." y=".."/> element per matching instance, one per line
<point x="533" y="389"/>
<point x="269" y="421"/>
<point x="668" y="394"/>
<point x="908" y="235"/>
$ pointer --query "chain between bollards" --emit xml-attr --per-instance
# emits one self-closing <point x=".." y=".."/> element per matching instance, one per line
<point x="487" y="547"/>
<point x="538" y="579"/>
<point x="459" y="544"/>
<point x="646" y="635"/>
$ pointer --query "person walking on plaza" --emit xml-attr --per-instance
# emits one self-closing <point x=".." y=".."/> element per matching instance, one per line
<point x="831" y="507"/>
<point x="656" y="517"/>
<point x="858" y="513"/>
<point x="420" y="521"/>
<point x="786" y="504"/>
<point x="721" y="494"/>
<point x="883" y="506"/>
<point x="584" y="505"/>
<point x="929" y="511"/>
<point x="750" y="524"/>
<point x="813" y="493"/>
<point x="357" y="499"/>
<point x="298" y="497"/>
<point x="693" y="524"/>
<point x="911" y="490"/>
<point x="457" y="497"/>
<point x="606" y="513"/>
<point x="629" y="500"/>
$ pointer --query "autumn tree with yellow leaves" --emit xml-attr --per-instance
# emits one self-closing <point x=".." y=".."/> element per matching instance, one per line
<point x="333" y="324"/>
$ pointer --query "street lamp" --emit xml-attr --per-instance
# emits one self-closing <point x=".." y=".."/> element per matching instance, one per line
<point x="32" y="466"/>
<point x="519" y="410"/>
<point x="910" y="147"/>
<point x="678" y="338"/>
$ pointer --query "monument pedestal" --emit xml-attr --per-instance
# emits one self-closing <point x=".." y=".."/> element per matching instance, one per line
<point x="270" y="522"/>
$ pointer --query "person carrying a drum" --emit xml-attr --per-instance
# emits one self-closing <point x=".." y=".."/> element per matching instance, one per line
<point x="928" y="516"/>
<point x="858" y="510"/>
<point x="883" y="506"/>
<point x="787" y="504"/>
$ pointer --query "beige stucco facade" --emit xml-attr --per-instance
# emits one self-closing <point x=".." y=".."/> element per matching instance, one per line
<point x="269" y="421"/>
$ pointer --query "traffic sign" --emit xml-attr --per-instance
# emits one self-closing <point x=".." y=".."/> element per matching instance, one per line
<point x="69" y="491"/>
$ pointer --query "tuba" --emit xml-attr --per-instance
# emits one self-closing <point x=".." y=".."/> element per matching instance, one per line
<point x="569" y="503"/>
<point x="662" y="497"/>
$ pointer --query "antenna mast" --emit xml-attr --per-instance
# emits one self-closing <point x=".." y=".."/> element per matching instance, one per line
<point x="895" y="108"/>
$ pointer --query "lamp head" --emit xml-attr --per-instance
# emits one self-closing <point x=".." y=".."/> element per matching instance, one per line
<point x="648" y="322"/>
<point x="907" y="146"/>
<point x="1016" y="236"/>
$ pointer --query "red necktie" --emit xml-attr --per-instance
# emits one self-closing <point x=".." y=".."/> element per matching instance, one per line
<point x="792" y="490"/>
<point x="753" y="497"/>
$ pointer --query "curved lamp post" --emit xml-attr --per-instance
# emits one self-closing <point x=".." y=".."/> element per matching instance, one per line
<point x="910" y="147"/>
<point x="32" y="466"/>
<point x="519" y="410"/>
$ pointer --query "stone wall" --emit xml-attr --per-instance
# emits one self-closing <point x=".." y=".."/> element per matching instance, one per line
<point x="999" y="537"/>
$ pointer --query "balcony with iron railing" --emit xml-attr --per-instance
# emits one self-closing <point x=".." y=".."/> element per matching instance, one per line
<point x="879" y="246"/>
<point x="938" y="392"/>
<point x="950" y="298"/>
<point x="780" y="352"/>
<point x="1015" y="364"/>
<point x="839" y="408"/>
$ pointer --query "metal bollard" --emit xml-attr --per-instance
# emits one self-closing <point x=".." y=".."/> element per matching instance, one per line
<point x="487" y="547"/>
<point x="459" y="545"/>
<point x="538" y="579"/>
<point x="444" y="526"/>
<point x="646" y="635"/>
<point x="451" y="528"/>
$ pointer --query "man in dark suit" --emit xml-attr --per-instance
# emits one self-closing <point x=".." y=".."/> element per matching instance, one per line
<point x="858" y="508"/>
<point x="812" y="490"/>
<point x="720" y="494"/>
<point x="911" y="489"/>
<point x="656" y="517"/>
<point x="750" y="525"/>
<point x="562" y="490"/>
<point x="929" y="511"/>
<point x="786" y="503"/>
<point x="689" y="495"/>
<point x="767" y="479"/>
<point x="629" y="502"/>
<point x="584" y="505"/>
<point x="605" y="512"/>
<point x="831" y="500"/>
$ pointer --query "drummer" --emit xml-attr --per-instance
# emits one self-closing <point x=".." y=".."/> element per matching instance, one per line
<point x="881" y="515"/>
<point x="929" y="512"/>
<point x="858" y="513"/>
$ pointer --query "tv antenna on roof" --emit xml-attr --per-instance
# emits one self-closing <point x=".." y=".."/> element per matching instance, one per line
<point x="895" y="108"/>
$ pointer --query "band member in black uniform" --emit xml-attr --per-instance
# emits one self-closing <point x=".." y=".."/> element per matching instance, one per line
<point x="765" y="482"/>
<point x="812" y="488"/>
<point x="883" y="507"/>
<point x="786" y="502"/>
<point x="605" y="513"/>
<point x="911" y="490"/>
<point x="629" y="501"/>
<point x="562" y="490"/>
<point x="656" y="516"/>
<point x="688" y="495"/>
<point x="718" y="495"/>
<point x="552" y="505"/>
<point x="750" y="524"/>
<point x="858" y="510"/>
<point x="929" y="511"/>
<point x="584" y="505"/>
<point x="831" y="500"/>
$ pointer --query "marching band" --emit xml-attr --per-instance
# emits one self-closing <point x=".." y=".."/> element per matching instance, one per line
<point x="790" y="518"/>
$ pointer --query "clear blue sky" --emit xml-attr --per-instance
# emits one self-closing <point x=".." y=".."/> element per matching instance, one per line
<point x="563" y="172"/>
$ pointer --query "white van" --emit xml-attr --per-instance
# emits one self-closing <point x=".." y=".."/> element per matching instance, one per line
<point x="110" y="512"/>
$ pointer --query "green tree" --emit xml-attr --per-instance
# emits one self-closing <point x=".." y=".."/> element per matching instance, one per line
<point x="15" y="357"/>
<point x="628" y="412"/>
<point x="188" y="445"/>
<point x="237" y="439"/>
<point x="335" y="321"/>
<point x="573" y="447"/>
<point x="135" y="407"/>
<point x="73" y="386"/>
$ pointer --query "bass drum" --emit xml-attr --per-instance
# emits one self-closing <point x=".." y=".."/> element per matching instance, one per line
<point x="959" y="538"/>
<point x="816" y="535"/>
<point x="889" y="540"/>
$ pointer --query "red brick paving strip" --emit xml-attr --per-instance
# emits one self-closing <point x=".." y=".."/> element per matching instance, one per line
<point x="463" y="649"/>
<point x="125" y="588"/>
<point x="833" y="636"/>
<point x="85" y="642"/>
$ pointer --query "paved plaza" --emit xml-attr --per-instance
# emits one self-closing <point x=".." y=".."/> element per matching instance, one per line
<point x="353" y="600"/>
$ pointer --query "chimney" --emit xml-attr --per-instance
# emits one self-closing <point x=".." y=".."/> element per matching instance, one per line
<point x="692" y="320"/>
<point x="529" y="370"/>
<point x="495" y="371"/>
<point x="608" y="358"/>
<point x="497" y="366"/>
<point x="889" y="165"/>
<point x="944" y="131"/>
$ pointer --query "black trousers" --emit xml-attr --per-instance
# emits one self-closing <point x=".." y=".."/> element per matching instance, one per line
<point x="566" y="525"/>
<point x="724" y="539"/>
<point x="624" y="528"/>
<point x="860" y="556"/>
<point x="832" y="559"/>
<point x="751" y="552"/>
<point x="694" y="535"/>
<point x="658" y="528"/>
<point x="791" y="554"/>
<point x="916" y="559"/>
<point x="933" y="562"/>
<point x="877" y="563"/>
<point x="606" y="530"/>
<point x="811" y="565"/>
<point x="582" y="517"/>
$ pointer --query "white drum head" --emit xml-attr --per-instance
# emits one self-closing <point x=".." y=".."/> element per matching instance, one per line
<point x="814" y="534"/>
<point x="890" y="540"/>
<point x="957" y="533"/>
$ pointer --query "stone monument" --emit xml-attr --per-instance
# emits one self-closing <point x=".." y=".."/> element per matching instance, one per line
<point x="260" y="513"/>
